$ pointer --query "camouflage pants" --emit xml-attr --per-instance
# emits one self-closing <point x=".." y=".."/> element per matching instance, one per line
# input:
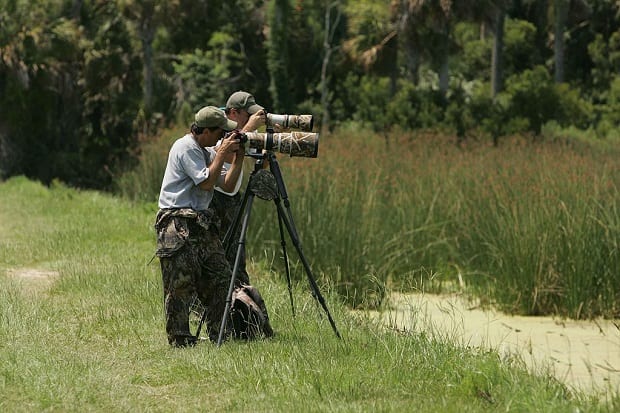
<point x="198" y="268"/>
<point x="225" y="208"/>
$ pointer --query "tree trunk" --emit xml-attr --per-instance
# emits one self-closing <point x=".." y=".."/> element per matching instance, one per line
<point x="444" y="62"/>
<point x="76" y="9"/>
<point x="497" y="84"/>
<point x="278" y="56"/>
<point x="147" y="36"/>
<point x="328" y="49"/>
<point x="561" y="15"/>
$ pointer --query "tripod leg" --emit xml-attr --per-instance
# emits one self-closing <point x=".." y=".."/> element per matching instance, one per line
<point x="290" y="226"/>
<point x="227" y="243"/>
<point x="231" y="232"/>
<point x="315" y="288"/>
<point x="232" y="229"/>
<point x="286" y="263"/>
<point x="233" y="279"/>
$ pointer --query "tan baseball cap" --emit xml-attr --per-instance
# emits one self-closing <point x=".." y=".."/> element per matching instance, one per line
<point x="243" y="100"/>
<point x="212" y="117"/>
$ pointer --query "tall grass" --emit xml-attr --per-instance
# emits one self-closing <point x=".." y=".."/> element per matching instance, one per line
<point x="144" y="180"/>
<point x="530" y="226"/>
<point x="92" y="337"/>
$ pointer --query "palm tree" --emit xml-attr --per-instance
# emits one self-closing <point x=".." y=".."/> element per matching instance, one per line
<point x="438" y="17"/>
<point x="560" y="15"/>
<point x="497" y="83"/>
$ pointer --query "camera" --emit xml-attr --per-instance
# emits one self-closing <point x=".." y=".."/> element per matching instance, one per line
<point x="301" y="144"/>
<point x="301" y="122"/>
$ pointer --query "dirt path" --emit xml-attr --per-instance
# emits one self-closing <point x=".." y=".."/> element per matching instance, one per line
<point x="584" y="355"/>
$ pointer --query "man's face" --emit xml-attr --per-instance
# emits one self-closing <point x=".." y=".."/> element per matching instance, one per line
<point x="240" y="116"/>
<point x="210" y="137"/>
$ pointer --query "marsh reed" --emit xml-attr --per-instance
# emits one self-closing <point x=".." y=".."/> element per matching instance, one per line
<point x="530" y="226"/>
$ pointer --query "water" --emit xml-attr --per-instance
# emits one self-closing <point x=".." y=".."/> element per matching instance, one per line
<point x="585" y="355"/>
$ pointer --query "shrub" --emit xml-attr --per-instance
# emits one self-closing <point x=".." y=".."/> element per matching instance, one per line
<point x="533" y="96"/>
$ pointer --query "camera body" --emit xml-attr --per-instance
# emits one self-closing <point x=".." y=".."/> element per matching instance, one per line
<point x="243" y="137"/>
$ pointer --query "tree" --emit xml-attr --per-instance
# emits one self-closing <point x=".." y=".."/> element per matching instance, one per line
<point x="147" y="16"/>
<point x="560" y="9"/>
<point x="430" y="23"/>
<point x="331" y="24"/>
<point x="278" y="55"/>
<point x="553" y="17"/>
<point x="496" y="59"/>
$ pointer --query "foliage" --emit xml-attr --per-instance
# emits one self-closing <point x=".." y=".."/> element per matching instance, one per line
<point x="143" y="181"/>
<point x="205" y="82"/>
<point x="98" y="78"/>
<point x="476" y="52"/>
<point x="606" y="61"/>
<point x="425" y="213"/>
<point x="520" y="51"/>
<point x="70" y="89"/>
<point x="610" y="113"/>
<point x="533" y="96"/>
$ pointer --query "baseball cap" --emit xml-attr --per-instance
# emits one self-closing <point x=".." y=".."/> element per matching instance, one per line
<point x="243" y="100"/>
<point x="212" y="117"/>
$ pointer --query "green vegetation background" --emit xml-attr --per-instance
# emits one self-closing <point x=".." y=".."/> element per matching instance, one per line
<point x="84" y="83"/>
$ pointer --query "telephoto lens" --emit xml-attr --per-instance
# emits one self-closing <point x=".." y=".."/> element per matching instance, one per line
<point x="301" y="122"/>
<point x="300" y="144"/>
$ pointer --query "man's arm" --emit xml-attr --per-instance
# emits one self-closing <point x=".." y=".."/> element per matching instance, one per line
<point x="255" y="121"/>
<point x="232" y="175"/>
<point x="229" y="146"/>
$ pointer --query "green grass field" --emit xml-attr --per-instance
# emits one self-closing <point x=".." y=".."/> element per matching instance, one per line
<point x="87" y="333"/>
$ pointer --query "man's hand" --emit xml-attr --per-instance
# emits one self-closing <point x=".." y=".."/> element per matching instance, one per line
<point x="231" y="144"/>
<point x="255" y="121"/>
<point x="239" y="148"/>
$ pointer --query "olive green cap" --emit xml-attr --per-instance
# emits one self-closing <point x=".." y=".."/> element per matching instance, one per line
<point x="243" y="100"/>
<point x="212" y="117"/>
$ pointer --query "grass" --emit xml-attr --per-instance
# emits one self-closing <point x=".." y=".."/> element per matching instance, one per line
<point x="539" y="218"/>
<point x="92" y="338"/>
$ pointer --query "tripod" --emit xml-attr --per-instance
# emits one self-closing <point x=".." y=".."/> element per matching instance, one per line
<point x="260" y="184"/>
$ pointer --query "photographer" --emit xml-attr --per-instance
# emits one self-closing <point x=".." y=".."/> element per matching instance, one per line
<point x="242" y="108"/>
<point x="188" y="244"/>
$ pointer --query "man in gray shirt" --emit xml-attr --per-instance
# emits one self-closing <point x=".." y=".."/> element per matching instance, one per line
<point x="188" y="245"/>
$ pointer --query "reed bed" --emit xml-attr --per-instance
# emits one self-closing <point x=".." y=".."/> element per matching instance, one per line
<point x="532" y="227"/>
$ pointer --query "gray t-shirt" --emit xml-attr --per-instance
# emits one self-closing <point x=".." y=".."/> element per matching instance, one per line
<point x="186" y="168"/>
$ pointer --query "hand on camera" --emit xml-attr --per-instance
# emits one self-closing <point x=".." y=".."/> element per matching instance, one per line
<point x="237" y="138"/>
<point x="230" y="144"/>
<point x="255" y="121"/>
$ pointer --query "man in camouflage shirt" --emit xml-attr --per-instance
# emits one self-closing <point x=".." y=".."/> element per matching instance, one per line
<point x="191" y="255"/>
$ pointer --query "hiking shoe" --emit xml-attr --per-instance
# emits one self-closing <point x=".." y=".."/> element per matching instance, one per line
<point x="183" y="341"/>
